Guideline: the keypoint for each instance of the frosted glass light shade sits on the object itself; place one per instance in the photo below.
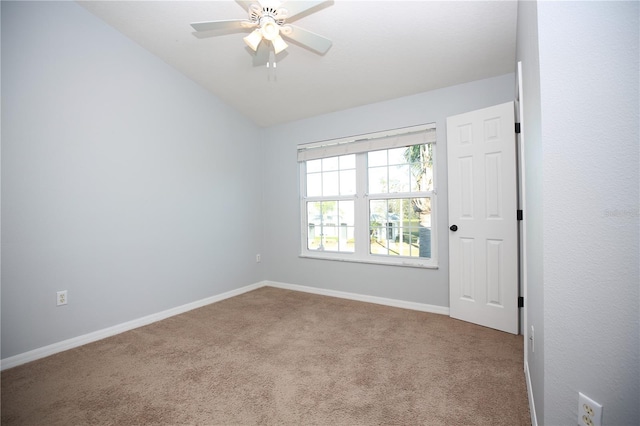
(270, 29)
(278, 44)
(253, 39)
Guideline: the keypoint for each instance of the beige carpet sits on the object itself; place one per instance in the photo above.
(274, 356)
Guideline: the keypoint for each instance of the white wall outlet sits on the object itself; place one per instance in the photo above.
(258, 258)
(589, 411)
(61, 298)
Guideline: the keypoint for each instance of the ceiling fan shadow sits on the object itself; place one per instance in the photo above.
(216, 33)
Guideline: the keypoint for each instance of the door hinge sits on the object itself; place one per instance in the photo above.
(520, 302)
(519, 214)
(517, 127)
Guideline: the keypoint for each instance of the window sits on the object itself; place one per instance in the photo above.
(370, 198)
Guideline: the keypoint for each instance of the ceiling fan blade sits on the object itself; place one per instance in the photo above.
(295, 8)
(246, 4)
(309, 39)
(231, 24)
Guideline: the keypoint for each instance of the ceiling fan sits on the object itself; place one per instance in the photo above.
(268, 19)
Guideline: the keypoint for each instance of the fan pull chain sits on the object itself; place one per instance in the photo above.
(271, 70)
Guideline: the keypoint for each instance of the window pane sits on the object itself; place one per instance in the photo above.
(384, 226)
(346, 231)
(416, 184)
(314, 185)
(348, 162)
(319, 215)
(377, 158)
(377, 212)
(314, 166)
(397, 156)
(378, 180)
(314, 212)
(422, 208)
(421, 159)
(399, 178)
(330, 163)
(330, 183)
(347, 182)
(346, 213)
(410, 210)
(314, 222)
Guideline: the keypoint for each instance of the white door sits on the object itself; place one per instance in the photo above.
(483, 248)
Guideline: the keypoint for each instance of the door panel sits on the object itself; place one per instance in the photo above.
(482, 204)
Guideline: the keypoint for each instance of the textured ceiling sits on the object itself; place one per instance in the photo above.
(381, 50)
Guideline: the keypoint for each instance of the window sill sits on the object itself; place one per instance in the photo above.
(406, 264)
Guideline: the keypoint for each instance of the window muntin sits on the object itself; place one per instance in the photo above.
(370, 205)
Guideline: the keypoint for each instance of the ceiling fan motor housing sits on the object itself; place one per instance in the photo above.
(258, 14)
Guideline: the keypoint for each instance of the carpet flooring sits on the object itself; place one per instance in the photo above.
(273, 356)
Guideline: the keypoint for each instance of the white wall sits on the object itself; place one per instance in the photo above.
(281, 208)
(586, 142)
(589, 79)
(123, 181)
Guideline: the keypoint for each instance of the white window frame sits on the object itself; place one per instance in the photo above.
(361, 145)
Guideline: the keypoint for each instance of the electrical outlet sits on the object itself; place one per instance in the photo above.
(589, 411)
(61, 298)
(258, 258)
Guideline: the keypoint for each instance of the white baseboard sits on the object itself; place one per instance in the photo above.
(74, 342)
(423, 307)
(532, 405)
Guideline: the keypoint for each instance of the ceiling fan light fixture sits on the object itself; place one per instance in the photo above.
(270, 30)
(278, 44)
(253, 39)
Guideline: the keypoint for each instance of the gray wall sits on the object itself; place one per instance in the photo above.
(282, 209)
(586, 205)
(123, 181)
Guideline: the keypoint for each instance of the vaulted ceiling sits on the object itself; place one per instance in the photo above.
(381, 50)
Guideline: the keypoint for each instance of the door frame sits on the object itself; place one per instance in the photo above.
(522, 228)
